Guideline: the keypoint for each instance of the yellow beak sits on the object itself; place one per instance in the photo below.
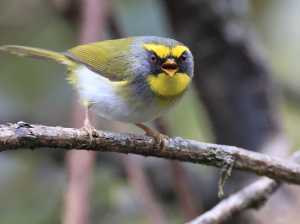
(170, 67)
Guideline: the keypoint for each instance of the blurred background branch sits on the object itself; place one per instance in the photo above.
(80, 164)
(254, 196)
(232, 78)
(96, 16)
(135, 172)
(185, 193)
(251, 196)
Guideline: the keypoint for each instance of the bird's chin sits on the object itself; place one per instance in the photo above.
(165, 85)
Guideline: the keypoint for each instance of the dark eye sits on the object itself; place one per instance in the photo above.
(183, 58)
(153, 58)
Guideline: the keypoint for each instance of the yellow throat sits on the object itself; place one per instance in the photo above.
(166, 85)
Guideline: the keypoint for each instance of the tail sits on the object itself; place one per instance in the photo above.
(39, 53)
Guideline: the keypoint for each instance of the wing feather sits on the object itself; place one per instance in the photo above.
(106, 58)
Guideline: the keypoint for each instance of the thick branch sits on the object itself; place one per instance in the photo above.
(23, 135)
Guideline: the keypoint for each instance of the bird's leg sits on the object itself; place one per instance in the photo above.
(89, 128)
(159, 137)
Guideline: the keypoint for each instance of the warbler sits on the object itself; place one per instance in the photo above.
(131, 80)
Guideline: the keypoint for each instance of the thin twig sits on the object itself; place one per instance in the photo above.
(24, 135)
(252, 196)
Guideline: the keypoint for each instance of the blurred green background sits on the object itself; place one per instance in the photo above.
(35, 91)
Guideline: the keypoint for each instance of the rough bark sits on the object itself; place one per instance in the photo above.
(23, 135)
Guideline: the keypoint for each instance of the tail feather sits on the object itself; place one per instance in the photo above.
(39, 53)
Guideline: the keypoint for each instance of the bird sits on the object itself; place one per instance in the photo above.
(131, 80)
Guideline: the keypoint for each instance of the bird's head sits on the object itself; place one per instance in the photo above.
(167, 64)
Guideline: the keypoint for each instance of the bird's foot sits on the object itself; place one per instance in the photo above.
(159, 137)
(90, 131)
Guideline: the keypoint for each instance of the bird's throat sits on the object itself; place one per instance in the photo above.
(166, 85)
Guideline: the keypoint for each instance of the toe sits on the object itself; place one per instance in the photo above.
(90, 134)
(97, 134)
(161, 139)
(90, 130)
(164, 145)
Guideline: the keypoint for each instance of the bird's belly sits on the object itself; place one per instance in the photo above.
(126, 113)
(109, 103)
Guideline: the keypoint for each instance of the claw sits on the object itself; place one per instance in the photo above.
(159, 137)
(90, 131)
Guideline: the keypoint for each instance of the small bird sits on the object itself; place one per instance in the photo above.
(131, 80)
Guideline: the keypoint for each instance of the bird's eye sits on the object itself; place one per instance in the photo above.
(183, 58)
(153, 58)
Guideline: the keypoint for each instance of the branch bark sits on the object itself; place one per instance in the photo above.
(23, 135)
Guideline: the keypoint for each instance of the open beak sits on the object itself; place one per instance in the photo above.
(170, 67)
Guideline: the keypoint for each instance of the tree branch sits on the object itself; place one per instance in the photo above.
(251, 196)
(24, 135)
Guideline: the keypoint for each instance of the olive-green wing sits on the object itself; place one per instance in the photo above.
(107, 58)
